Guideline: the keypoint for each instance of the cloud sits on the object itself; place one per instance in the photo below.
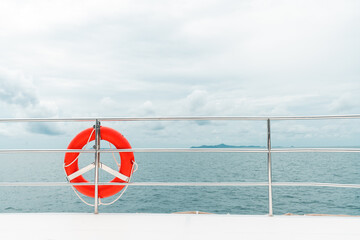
(202, 122)
(196, 102)
(14, 89)
(148, 109)
(157, 126)
(345, 103)
(197, 58)
(18, 99)
(44, 128)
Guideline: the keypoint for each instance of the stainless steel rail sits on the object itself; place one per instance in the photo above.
(269, 150)
(191, 150)
(97, 163)
(182, 118)
(182, 184)
(269, 168)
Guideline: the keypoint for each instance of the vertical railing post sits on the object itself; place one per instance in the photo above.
(269, 167)
(97, 162)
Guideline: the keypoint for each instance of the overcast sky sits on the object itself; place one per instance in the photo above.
(174, 58)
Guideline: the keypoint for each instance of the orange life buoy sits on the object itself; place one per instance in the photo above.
(127, 160)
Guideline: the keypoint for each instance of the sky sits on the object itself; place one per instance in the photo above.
(65, 58)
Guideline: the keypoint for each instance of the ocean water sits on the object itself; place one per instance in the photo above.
(188, 167)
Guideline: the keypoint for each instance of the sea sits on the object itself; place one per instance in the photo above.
(191, 167)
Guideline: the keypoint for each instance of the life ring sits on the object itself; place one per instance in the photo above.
(72, 168)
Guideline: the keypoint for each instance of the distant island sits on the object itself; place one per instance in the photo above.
(222, 145)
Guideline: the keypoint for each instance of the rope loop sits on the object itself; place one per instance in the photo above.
(79, 153)
(132, 171)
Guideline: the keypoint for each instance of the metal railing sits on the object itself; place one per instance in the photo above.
(97, 151)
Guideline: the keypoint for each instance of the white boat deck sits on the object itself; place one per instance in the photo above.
(174, 226)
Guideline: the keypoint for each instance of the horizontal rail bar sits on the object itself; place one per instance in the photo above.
(143, 150)
(354, 116)
(220, 150)
(59, 184)
(46, 150)
(184, 184)
(315, 184)
(179, 118)
(289, 150)
(252, 150)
